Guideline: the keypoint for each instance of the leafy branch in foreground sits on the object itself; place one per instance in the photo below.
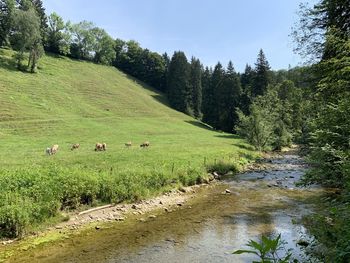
(267, 249)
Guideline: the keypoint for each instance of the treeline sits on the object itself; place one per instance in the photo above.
(25, 27)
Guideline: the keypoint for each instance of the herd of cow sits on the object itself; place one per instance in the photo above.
(98, 147)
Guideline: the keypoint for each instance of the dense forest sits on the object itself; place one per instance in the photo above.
(307, 105)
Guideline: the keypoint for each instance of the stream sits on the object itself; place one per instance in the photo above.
(208, 228)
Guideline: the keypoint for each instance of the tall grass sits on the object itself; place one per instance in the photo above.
(30, 196)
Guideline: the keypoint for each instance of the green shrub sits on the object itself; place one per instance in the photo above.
(77, 187)
(222, 167)
(15, 215)
(191, 176)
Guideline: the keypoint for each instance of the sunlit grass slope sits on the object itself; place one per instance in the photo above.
(79, 102)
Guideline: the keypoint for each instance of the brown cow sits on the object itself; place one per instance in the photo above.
(75, 146)
(100, 147)
(54, 149)
(144, 144)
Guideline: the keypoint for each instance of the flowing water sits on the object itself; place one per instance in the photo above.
(207, 229)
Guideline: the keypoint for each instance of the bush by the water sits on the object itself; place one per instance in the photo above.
(29, 197)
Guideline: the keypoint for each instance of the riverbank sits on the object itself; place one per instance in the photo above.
(203, 226)
(242, 192)
(102, 217)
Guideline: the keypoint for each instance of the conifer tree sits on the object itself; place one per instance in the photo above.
(166, 60)
(196, 86)
(178, 82)
(261, 79)
(216, 86)
(208, 95)
(230, 99)
(247, 79)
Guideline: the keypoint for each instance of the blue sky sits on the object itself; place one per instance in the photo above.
(216, 30)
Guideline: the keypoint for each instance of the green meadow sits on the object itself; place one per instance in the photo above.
(71, 101)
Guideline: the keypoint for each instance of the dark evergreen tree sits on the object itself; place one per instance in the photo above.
(229, 100)
(166, 60)
(208, 95)
(261, 78)
(216, 86)
(178, 82)
(196, 87)
(247, 79)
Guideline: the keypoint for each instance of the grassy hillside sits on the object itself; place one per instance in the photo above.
(70, 101)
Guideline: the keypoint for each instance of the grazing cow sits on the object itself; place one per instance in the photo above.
(128, 144)
(100, 147)
(54, 149)
(144, 144)
(75, 146)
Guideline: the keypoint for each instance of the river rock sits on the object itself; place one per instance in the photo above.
(120, 218)
(97, 227)
(183, 189)
(151, 216)
(228, 191)
(303, 243)
(216, 175)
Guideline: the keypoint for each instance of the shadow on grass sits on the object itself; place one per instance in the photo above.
(201, 125)
(228, 136)
(53, 55)
(159, 96)
(162, 99)
(7, 63)
(245, 146)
